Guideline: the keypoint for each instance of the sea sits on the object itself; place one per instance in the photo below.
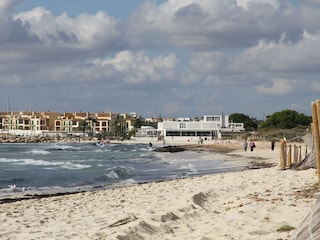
(49, 168)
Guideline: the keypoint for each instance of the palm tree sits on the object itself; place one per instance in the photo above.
(87, 124)
(118, 127)
(91, 123)
(83, 125)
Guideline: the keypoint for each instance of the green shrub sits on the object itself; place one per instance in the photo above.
(285, 228)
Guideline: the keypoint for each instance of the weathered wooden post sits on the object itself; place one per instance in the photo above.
(289, 157)
(285, 155)
(300, 154)
(306, 152)
(282, 156)
(295, 154)
(315, 129)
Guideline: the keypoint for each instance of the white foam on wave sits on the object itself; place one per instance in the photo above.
(129, 181)
(190, 167)
(99, 150)
(39, 151)
(146, 149)
(4, 160)
(119, 172)
(74, 166)
(12, 189)
(34, 162)
(26, 161)
(163, 156)
(112, 175)
(64, 147)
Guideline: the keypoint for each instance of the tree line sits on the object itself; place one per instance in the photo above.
(285, 119)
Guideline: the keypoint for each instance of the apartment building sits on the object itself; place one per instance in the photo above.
(68, 122)
(71, 121)
(103, 121)
(24, 120)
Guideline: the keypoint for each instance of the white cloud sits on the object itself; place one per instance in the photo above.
(282, 56)
(246, 3)
(85, 29)
(11, 31)
(138, 67)
(278, 87)
(214, 24)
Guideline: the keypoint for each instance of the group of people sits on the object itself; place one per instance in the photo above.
(252, 145)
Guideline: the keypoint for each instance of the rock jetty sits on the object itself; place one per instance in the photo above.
(9, 138)
(170, 149)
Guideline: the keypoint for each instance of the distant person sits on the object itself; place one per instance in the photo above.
(245, 145)
(150, 144)
(252, 145)
(272, 144)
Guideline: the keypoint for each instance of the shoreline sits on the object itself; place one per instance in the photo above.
(226, 151)
(248, 204)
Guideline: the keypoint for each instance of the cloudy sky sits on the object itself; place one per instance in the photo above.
(175, 58)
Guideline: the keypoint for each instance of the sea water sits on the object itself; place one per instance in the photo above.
(65, 167)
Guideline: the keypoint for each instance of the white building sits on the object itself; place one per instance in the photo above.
(146, 131)
(211, 127)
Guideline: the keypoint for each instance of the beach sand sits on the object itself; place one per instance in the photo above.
(250, 204)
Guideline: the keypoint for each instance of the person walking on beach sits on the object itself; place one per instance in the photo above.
(252, 145)
(245, 145)
(272, 144)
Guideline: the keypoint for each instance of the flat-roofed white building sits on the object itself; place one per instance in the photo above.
(146, 131)
(211, 127)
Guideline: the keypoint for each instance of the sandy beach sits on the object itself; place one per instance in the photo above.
(250, 204)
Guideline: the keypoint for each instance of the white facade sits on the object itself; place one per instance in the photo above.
(146, 131)
(207, 129)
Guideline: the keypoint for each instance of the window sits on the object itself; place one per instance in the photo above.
(213, 119)
(189, 133)
(203, 134)
(182, 125)
(172, 133)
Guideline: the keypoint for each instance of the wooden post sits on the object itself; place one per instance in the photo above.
(285, 155)
(289, 157)
(295, 154)
(300, 155)
(306, 152)
(315, 130)
(282, 157)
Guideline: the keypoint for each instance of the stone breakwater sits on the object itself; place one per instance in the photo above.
(8, 138)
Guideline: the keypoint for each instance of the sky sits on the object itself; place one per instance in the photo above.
(174, 58)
